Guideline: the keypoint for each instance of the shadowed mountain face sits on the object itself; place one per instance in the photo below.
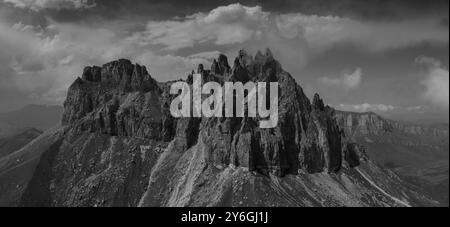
(120, 146)
(418, 153)
(31, 116)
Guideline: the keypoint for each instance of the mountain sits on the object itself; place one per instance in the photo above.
(119, 145)
(13, 143)
(12, 180)
(17, 168)
(32, 116)
(7, 129)
(418, 153)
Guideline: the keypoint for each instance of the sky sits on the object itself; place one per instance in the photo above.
(389, 57)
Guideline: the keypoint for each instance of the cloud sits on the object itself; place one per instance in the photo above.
(436, 82)
(43, 62)
(209, 55)
(366, 107)
(171, 67)
(427, 61)
(235, 24)
(37, 5)
(323, 32)
(415, 108)
(222, 26)
(346, 81)
(229, 28)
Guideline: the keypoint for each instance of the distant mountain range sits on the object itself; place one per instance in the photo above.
(39, 117)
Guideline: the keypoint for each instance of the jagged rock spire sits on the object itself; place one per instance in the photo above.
(200, 69)
(220, 66)
(259, 57)
(318, 103)
(268, 53)
(244, 59)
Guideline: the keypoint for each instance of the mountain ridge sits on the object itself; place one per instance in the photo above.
(436, 129)
(119, 146)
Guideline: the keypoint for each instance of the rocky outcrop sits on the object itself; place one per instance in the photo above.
(122, 99)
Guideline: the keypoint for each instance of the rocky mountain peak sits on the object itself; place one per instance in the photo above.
(200, 68)
(259, 55)
(99, 86)
(220, 66)
(121, 99)
(93, 74)
(243, 59)
(128, 76)
(267, 56)
(120, 146)
(318, 103)
(261, 67)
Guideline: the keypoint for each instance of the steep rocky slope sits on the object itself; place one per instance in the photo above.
(120, 146)
(418, 153)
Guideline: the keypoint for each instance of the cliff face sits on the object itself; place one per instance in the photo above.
(373, 124)
(370, 128)
(417, 153)
(120, 146)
